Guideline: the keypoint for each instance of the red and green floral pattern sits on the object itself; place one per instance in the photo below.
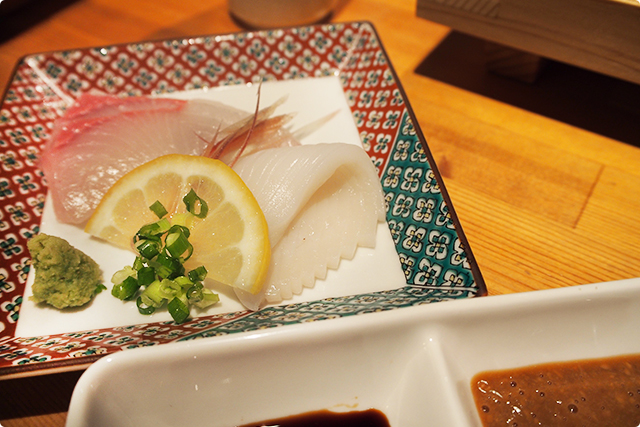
(436, 260)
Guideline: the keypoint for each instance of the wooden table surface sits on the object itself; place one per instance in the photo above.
(544, 204)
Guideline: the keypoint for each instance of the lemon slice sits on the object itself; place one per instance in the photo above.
(232, 241)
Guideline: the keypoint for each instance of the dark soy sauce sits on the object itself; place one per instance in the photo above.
(325, 418)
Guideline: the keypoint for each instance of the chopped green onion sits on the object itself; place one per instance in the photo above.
(158, 209)
(198, 274)
(177, 243)
(143, 308)
(194, 293)
(153, 294)
(191, 200)
(183, 281)
(146, 275)
(154, 230)
(157, 275)
(148, 248)
(119, 276)
(208, 298)
(138, 264)
(178, 310)
(180, 228)
(161, 270)
(185, 219)
(170, 288)
(126, 289)
(144, 299)
(167, 267)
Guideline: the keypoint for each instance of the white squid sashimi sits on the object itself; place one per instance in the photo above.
(321, 202)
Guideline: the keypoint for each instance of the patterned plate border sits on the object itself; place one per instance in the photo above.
(432, 248)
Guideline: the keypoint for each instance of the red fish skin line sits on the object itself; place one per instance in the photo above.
(81, 117)
(88, 105)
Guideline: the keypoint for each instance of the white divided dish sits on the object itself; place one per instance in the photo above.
(413, 364)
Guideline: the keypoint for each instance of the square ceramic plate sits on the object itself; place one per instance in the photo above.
(415, 365)
(342, 67)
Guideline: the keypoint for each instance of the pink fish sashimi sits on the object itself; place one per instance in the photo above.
(90, 106)
(321, 202)
(103, 137)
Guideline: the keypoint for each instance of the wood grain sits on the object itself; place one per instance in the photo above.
(594, 34)
(543, 204)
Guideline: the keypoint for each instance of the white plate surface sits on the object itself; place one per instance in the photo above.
(369, 271)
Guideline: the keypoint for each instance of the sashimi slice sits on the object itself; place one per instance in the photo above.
(321, 202)
(90, 106)
(103, 137)
(257, 132)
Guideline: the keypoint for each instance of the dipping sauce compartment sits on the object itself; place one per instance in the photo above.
(415, 365)
(592, 392)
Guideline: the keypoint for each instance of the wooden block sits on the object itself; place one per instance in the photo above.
(513, 63)
(599, 35)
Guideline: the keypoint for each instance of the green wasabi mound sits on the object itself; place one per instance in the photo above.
(65, 276)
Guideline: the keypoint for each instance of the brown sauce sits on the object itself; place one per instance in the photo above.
(595, 392)
(325, 418)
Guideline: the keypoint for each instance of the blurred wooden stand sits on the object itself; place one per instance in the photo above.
(598, 35)
(512, 63)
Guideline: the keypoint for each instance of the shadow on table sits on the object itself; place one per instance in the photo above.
(585, 99)
(17, 16)
(37, 395)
